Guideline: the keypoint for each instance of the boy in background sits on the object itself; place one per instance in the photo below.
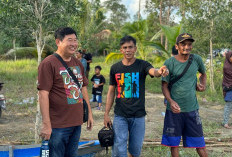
(98, 81)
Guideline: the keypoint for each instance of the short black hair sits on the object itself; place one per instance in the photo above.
(60, 33)
(98, 67)
(126, 39)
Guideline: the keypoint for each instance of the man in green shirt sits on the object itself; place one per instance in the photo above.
(182, 118)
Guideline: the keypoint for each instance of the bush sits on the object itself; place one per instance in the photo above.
(27, 52)
(21, 52)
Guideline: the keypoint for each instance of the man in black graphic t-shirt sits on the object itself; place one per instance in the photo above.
(127, 84)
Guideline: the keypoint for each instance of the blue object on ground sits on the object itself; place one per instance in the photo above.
(34, 152)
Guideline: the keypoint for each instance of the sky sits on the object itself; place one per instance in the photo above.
(133, 7)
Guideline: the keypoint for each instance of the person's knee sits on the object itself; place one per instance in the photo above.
(135, 147)
(119, 150)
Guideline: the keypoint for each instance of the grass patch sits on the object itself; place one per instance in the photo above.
(19, 78)
(210, 128)
(153, 85)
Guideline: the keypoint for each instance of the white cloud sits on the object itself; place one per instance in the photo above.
(134, 6)
(102, 1)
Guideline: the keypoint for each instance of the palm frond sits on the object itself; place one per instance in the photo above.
(156, 36)
(159, 47)
(113, 56)
(171, 32)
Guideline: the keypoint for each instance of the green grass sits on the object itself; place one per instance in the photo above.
(210, 128)
(19, 78)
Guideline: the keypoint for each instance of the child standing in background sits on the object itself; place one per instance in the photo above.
(98, 81)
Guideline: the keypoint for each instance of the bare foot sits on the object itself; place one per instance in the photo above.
(227, 126)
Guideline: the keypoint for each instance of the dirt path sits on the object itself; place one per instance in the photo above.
(17, 124)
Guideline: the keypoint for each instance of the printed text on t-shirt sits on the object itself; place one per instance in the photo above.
(127, 85)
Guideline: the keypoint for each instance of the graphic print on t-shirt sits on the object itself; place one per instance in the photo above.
(127, 85)
(96, 80)
(72, 90)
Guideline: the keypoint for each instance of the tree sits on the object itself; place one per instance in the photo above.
(139, 31)
(204, 18)
(40, 17)
(11, 23)
(164, 10)
(171, 34)
(118, 13)
(90, 21)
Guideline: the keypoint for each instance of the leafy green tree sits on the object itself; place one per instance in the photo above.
(118, 13)
(139, 31)
(41, 18)
(89, 21)
(12, 26)
(162, 11)
(206, 22)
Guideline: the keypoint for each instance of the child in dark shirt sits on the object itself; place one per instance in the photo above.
(98, 81)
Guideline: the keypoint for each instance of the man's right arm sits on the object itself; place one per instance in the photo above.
(174, 106)
(46, 129)
(109, 103)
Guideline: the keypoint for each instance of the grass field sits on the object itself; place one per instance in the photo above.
(20, 83)
(20, 79)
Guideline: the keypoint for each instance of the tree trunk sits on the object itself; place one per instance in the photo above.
(139, 10)
(15, 55)
(211, 59)
(38, 114)
(160, 18)
(183, 11)
(40, 43)
(38, 121)
(168, 16)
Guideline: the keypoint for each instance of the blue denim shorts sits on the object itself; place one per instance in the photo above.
(97, 98)
(134, 128)
(186, 125)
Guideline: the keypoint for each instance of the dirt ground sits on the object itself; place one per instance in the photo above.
(17, 124)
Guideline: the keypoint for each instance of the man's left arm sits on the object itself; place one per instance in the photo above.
(90, 116)
(163, 71)
(202, 85)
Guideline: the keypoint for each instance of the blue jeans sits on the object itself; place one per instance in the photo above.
(64, 142)
(135, 128)
(97, 98)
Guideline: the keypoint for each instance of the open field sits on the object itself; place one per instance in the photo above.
(17, 123)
